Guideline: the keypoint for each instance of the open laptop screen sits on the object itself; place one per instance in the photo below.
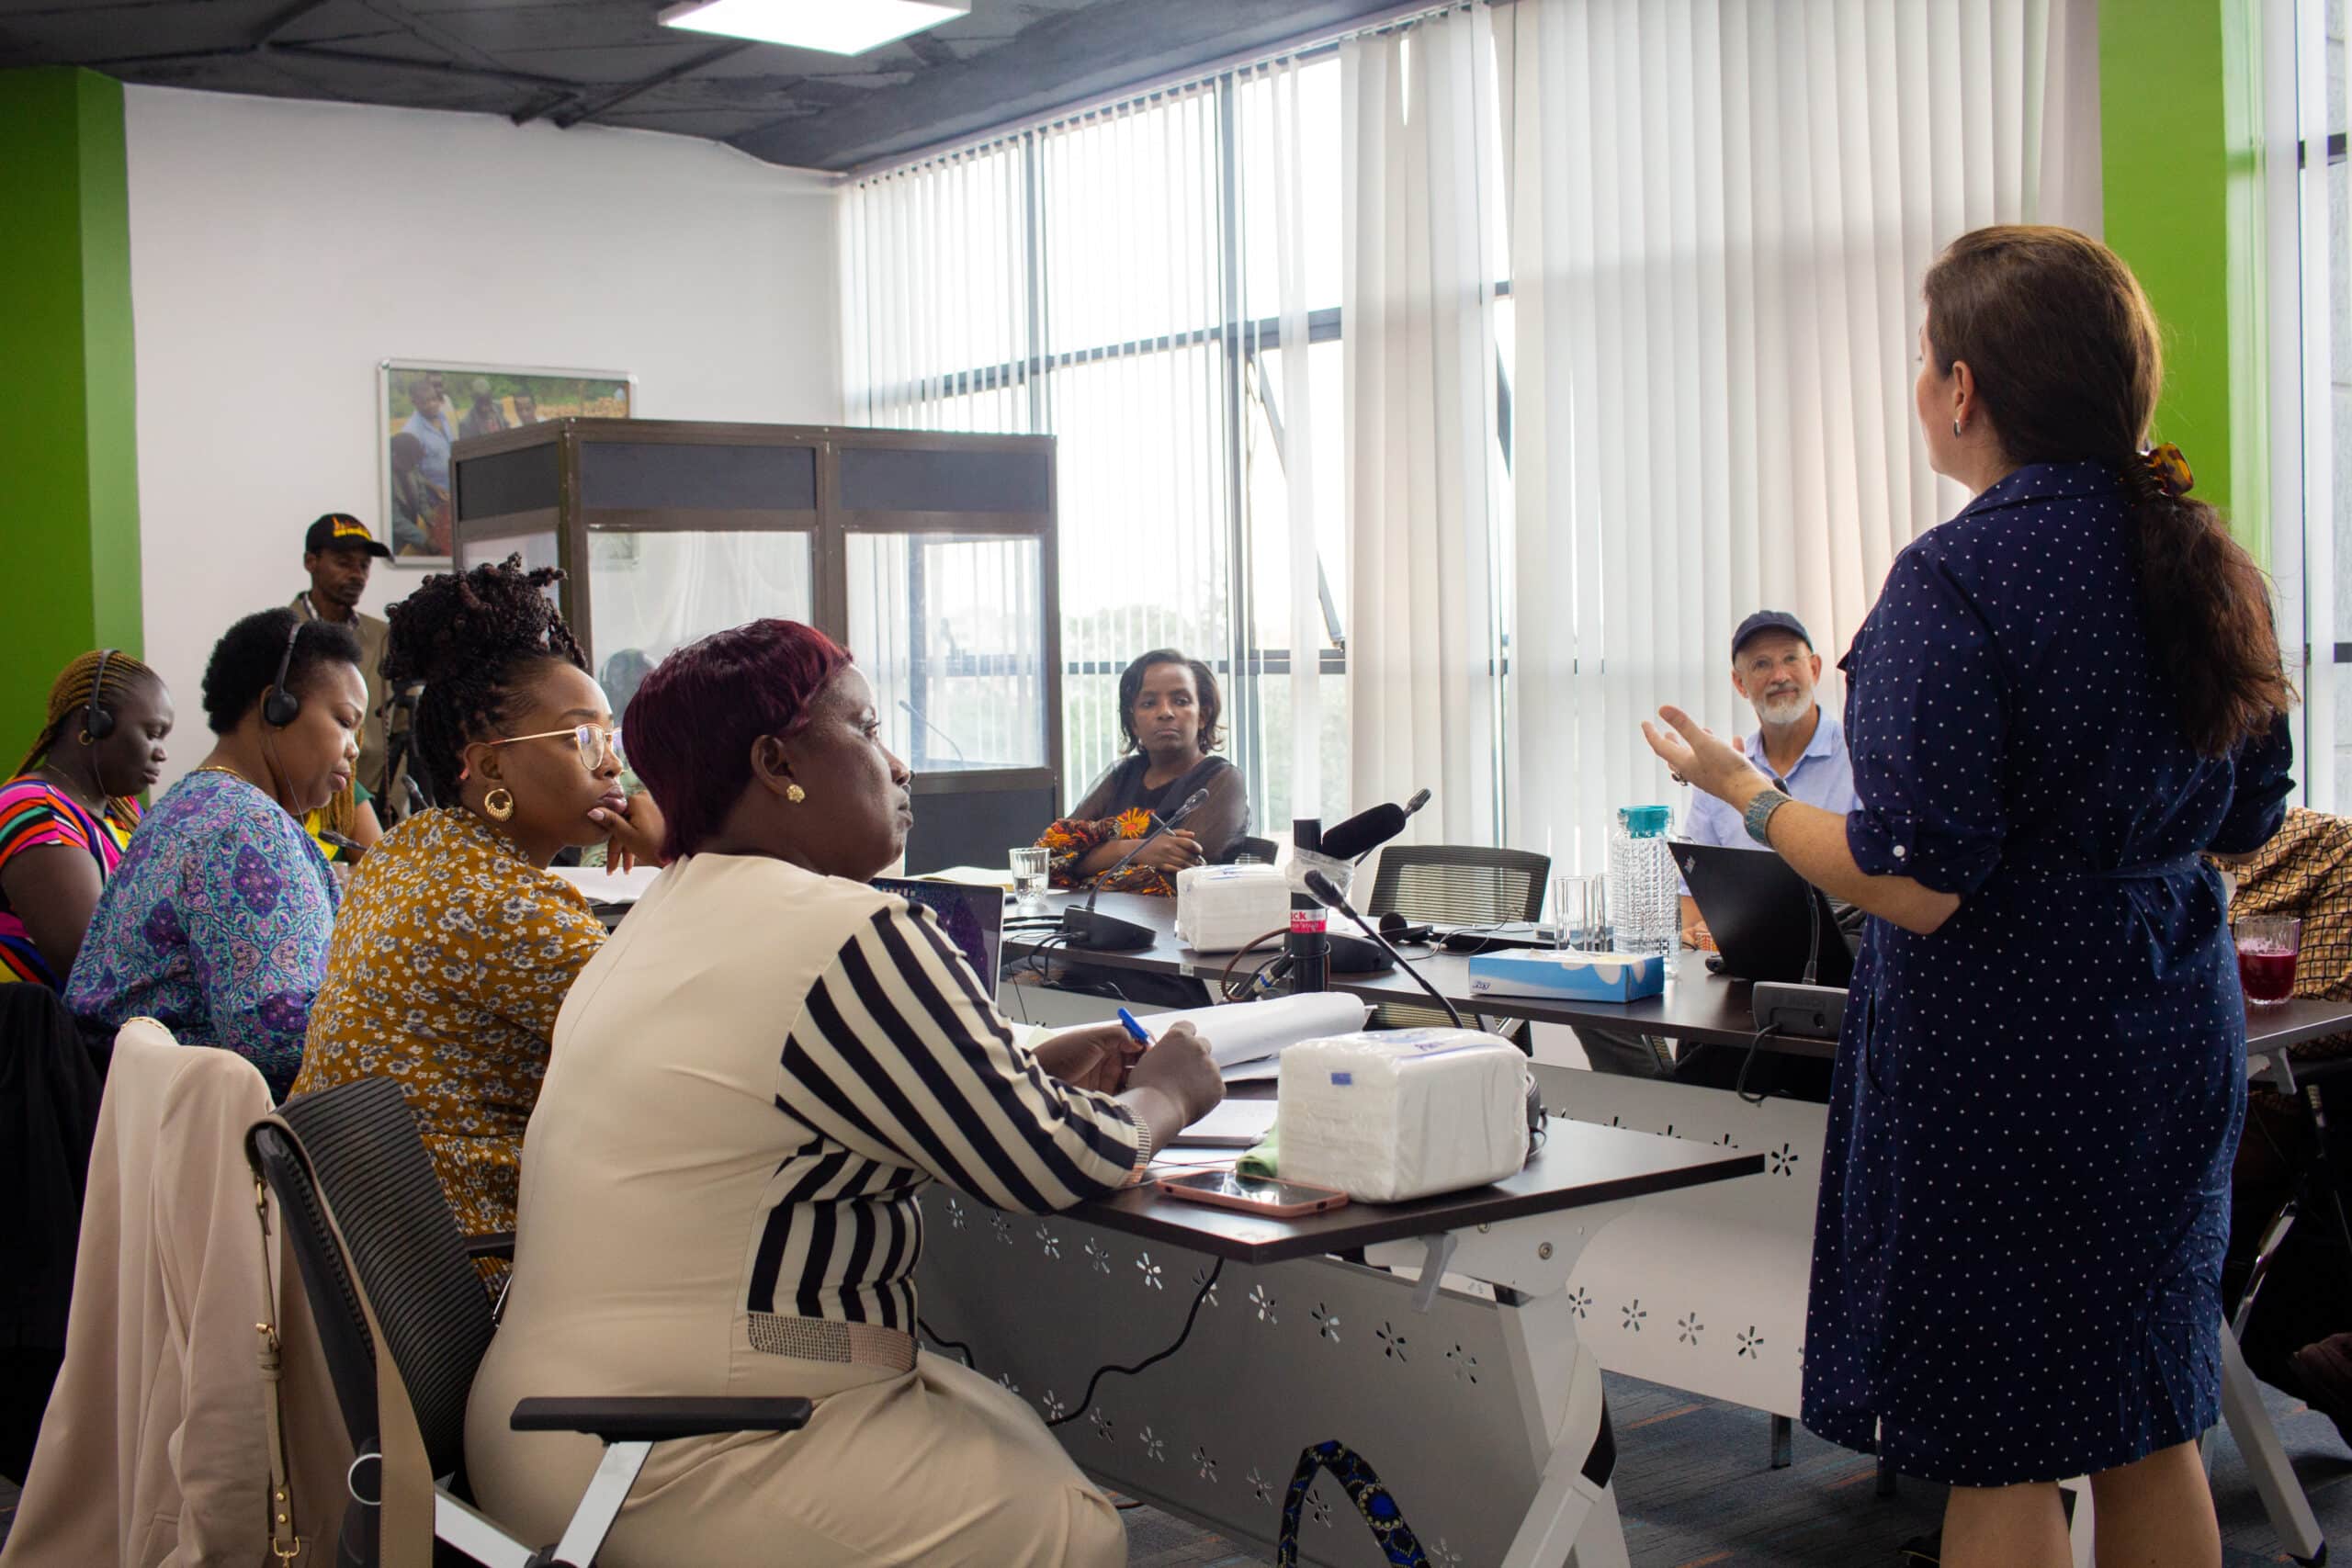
(973, 918)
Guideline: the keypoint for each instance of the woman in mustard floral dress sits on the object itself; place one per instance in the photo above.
(456, 945)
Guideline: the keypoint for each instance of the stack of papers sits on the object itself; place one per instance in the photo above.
(602, 888)
(1247, 1039)
(971, 876)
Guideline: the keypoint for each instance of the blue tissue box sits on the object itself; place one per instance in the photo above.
(1567, 976)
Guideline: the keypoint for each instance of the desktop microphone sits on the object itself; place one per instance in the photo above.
(933, 728)
(1089, 932)
(1363, 832)
(1308, 947)
(1327, 893)
(1420, 798)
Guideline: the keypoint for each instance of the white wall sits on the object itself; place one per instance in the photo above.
(279, 249)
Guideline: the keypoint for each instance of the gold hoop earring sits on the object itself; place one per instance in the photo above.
(499, 803)
(793, 792)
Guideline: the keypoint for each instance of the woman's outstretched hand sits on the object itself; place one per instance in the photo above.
(1696, 758)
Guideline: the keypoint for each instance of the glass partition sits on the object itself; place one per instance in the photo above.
(653, 592)
(950, 630)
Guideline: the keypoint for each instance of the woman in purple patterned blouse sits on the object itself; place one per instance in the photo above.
(216, 922)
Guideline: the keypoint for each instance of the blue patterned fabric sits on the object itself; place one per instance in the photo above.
(215, 924)
(1396, 1539)
(2017, 1257)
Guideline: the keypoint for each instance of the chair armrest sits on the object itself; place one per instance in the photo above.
(658, 1420)
(492, 1244)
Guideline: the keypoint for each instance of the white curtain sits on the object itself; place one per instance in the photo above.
(1721, 211)
(1420, 192)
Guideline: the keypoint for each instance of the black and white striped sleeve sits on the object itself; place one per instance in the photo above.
(899, 1055)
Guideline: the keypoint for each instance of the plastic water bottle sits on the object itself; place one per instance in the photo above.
(1642, 902)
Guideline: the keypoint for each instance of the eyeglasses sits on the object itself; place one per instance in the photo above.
(593, 740)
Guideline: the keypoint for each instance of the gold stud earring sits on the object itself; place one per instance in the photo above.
(793, 792)
(499, 803)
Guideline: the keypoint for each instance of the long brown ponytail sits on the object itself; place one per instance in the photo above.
(2068, 361)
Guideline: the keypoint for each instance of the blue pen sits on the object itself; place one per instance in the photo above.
(1135, 1030)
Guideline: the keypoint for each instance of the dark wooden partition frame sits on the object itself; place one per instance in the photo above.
(567, 479)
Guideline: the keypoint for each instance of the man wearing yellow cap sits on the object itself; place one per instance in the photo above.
(337, 552)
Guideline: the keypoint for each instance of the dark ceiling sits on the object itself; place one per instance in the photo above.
(610, 62)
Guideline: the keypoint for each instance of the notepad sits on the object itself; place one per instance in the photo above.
(1235, 1124)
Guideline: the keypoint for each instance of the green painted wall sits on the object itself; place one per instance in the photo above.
(68, 473)
(2180, 97)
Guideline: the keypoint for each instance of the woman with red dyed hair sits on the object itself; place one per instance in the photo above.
(748, 1086)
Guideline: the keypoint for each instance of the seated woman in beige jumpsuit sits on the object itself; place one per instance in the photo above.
(747, 1088)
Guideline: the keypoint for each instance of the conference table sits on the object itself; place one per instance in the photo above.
(1706, 1291)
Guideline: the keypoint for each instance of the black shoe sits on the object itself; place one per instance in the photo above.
(1922, 1550)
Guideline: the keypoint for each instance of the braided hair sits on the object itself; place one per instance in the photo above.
(70, 697)
(471, 636)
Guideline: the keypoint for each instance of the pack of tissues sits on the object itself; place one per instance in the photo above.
(1397, 1113)
(1221, 908)
(1567, 976)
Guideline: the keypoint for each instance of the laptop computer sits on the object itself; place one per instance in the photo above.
(1755, 908)
(973, 918)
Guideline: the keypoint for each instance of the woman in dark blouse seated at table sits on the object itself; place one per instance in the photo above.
(1168, 708)
(748, 1087)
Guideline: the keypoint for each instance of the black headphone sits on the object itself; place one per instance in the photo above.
(97, 722)
(281, 707)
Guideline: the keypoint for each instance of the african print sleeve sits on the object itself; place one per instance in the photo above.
(257, 911)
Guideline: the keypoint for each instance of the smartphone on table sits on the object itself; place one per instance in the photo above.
(1252, 1194)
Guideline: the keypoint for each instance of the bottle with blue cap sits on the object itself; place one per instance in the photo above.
(1643, 888)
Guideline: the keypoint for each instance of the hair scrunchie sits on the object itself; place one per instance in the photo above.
(2160, 472)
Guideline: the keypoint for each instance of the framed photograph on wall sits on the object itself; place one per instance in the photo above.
(423, 407)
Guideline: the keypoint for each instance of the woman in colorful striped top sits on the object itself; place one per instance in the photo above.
(67, 813)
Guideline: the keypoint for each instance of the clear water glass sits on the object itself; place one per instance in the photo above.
(1031, 867)
(1580, 912)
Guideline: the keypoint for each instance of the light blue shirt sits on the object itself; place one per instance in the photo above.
(437, 437)
(1824, 776)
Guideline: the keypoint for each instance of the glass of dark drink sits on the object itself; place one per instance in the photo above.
(2267, 948)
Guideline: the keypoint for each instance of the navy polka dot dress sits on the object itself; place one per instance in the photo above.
(2017, 1258)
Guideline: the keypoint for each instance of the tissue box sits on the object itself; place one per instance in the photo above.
(1567, 976)
(1398, 1113)
(1220, 909)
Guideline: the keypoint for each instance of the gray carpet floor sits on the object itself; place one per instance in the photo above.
(1696, 1492)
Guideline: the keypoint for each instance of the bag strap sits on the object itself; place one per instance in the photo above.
(285, 1535)
(1395, 1538)
(405, 1499)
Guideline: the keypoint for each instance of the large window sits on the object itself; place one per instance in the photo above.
(1124, 280)
(2310, 191)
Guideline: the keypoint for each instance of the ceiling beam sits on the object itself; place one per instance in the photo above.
(1063, 60)
(590, 109)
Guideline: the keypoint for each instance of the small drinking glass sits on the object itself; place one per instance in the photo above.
(2267, 948)
(1030, 868)
(1580, 912)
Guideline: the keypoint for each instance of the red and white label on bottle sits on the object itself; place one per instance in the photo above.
(1307, 922)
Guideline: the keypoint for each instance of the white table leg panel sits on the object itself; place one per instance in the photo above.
(1480, 1416)
(1707, 1292)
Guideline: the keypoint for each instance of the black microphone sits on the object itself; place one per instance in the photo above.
(1307, 946)
(1327, 892)
(933, 728)
(1363, 832)
(1091, 932)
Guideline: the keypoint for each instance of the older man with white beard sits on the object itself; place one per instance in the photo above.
(1775, 667)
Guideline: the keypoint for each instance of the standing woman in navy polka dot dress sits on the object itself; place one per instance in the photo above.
(2066, 695)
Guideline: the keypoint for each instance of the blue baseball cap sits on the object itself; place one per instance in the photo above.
(1769, 621)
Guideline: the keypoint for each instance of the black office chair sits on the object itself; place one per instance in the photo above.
(1453, 884)
(359, 1158)
(1459, 885)
(1261, 849)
